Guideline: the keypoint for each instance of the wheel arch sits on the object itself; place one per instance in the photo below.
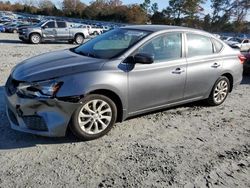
(114, 97)
(35, 33)
(79, 33)
(231, 80)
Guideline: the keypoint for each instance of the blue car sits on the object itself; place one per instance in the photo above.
(2, 28)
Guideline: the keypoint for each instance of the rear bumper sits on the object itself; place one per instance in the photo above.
(45, 117)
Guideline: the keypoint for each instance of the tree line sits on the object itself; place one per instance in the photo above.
(225, 15)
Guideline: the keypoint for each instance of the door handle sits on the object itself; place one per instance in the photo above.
(178, 71)
(216, 65)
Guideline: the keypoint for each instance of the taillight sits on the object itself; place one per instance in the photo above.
(242, 58)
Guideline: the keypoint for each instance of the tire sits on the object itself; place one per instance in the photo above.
(79, 39)
(87, 125)
(14, 31)
(219, 92)
(35, 38)
(96, 33)
(70, 41)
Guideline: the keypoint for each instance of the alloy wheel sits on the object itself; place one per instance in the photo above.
(35, 39)
(221, 91)
(95, 116)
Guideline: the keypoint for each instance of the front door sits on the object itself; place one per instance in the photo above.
(160, 83)
(49, 30)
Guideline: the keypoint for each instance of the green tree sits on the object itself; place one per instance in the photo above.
(154, 8)
(73, 7)
(207, 23)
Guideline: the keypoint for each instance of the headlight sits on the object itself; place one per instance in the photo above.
(46, 89)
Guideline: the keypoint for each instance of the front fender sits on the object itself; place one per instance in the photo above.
(87, 82)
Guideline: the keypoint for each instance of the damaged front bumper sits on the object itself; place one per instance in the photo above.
(45, 117)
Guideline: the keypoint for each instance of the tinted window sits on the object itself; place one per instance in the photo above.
(217, 45)
(165, 47)
(50, 25)
(61, 24)
(199, 45)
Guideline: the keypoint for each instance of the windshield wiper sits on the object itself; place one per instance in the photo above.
(84, 53)
(87, 54)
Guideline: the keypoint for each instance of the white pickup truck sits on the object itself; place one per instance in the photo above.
(92, 30)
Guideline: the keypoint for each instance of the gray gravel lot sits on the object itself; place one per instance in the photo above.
(188, 146)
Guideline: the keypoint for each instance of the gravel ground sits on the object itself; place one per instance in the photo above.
(188, 146)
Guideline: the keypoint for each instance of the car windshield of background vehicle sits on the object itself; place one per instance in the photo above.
(111, 44)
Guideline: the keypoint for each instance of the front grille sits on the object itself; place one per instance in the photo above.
(35, 123)
(11, 85)
(12, 117)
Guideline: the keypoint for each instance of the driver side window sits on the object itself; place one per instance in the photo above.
(50, 25)
(164, 48)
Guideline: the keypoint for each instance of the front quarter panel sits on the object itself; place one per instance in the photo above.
(112, 77)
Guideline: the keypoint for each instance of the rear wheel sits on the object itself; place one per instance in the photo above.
(220, 91)
(79, 39)
(35, 38)
(94, 118)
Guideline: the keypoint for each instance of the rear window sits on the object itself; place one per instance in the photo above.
(199, 45)
(61, 24)
(217, 45)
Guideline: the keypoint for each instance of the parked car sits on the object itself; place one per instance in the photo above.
(105, 28)
(247, 62)
(242, 45)
(14, 28)
(92, 30)
(119, 74)
(53, 31)
(5, 19)
(2, 28)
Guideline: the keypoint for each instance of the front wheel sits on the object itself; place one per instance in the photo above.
(79, 39)
(94, 118)
(219, 92)
(35, 38)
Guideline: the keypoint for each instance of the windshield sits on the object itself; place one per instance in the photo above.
(111, 44)
(40, 23)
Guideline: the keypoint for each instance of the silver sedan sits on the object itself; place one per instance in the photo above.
(120, 74)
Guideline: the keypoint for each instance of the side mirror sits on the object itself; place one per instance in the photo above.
(44, 27)
(144, 58)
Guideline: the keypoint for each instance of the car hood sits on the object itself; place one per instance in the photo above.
(54, 64)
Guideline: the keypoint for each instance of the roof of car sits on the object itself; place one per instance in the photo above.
(155, 28)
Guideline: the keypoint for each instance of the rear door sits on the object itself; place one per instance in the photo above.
(160, 83)
(204, 65)
(62, 31)
(49, 30)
